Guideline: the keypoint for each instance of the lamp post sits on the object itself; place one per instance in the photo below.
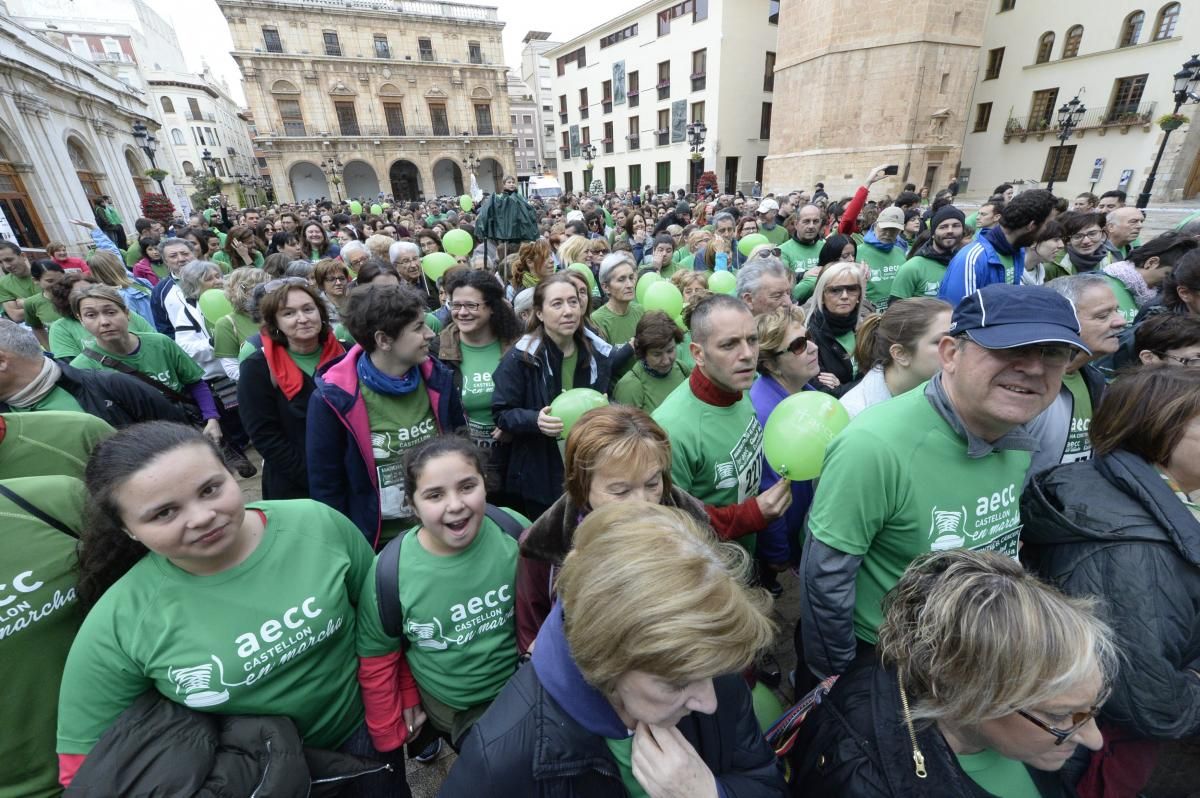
(332, 167)
(148, 145)
(1068, 119)
(1187, 84)
(471, 162)
(207, 159)
(696, 132)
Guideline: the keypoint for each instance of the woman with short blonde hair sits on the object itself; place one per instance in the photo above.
(572, 250)
(638, 661)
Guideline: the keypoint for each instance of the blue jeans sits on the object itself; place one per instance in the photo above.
(384, 784)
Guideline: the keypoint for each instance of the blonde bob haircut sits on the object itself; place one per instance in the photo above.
(975, 637)
(772, 332)
(646, 589)
(573, 249)
(831, 272)
(615, 434)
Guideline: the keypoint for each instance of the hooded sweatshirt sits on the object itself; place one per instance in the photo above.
(884, 260)
(921, 274)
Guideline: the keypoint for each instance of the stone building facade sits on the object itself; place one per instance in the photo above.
(358, 98)
(889, 85)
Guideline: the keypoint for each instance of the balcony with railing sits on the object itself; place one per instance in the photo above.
(203, 116)
(565, 152)
(635, 141)
(297, 129)
(664, 137)
(664, 90)
(1101, 120)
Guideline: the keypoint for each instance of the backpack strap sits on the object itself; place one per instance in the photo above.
(387, 572)
(116, 365)
(36, 512)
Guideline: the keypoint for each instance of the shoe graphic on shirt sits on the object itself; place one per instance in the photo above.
(424, 633)
(950, 527)
(195, 685)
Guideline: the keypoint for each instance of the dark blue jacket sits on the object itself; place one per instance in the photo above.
(782, 540)
(161, 322)
(341, 465)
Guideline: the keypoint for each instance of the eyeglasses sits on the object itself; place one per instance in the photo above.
(769, 252)
(469, 307)
(798, 346)
(1183, 361)
(1049, 354)
(1092, 235)
(556, 216)
(848, 290)
(1078, 720)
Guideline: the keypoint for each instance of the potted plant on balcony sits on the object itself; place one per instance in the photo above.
(1170, 122)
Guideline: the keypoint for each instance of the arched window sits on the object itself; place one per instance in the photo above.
(1045, 47)
(1168, 18)
(176, 136)
(1071, 45)
(188, 169)
(167, 106)
(1131, 31)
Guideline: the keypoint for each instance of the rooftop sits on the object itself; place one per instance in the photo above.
(422, 8)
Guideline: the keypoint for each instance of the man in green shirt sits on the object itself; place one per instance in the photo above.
(16, 283)
(877, 507)
(883, 251)
(921, 274)
(801, 252)
(768, 216)
(53, 442)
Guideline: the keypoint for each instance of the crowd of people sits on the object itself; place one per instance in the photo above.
(998, 567)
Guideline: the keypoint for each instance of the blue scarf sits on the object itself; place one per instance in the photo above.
(995, 236)
(873, 240)
(386, 384)
(662, 375)
(560, 677)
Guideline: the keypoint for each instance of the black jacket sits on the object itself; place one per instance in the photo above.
(277, 428)
(528, 746)
(855, 744)
(117, 398)
(831, 355)
(528, 379)
(158, 747)
(1111, 527)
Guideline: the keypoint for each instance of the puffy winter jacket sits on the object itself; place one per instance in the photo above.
(158, 747)
(1112, 528)
(117, 398)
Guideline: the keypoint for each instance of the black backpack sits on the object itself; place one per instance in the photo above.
(387, 572)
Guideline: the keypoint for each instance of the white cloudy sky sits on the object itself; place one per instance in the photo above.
(204, 35)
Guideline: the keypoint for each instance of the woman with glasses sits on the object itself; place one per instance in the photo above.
(787, 364)
(1083, 233)
(276, 381)
(986, 682)
(332, 278)
(1122, 526)
(834, 314)
(1170, 338)
(406, 256)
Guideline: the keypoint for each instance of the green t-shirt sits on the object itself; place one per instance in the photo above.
(884, 267)
(876, 498)
(431, 321)
(644, 390)
(273, 635)
(230, 332)
(683, 352)
(618, 330)
(40, 312)
(1079, 444)
(804, 289)
(777, 235)
(1125, 300)
(622, 752)
(68, 336)
(569, 364)
(847, 340)
(478, 365)
(801, 257)
(49, 443)
(40, 621)
(918, 277)
(398, 423)
(157, 356)
(57, 399)
(1009, 267)
(14, 287)
(221, 259)
(998, 775)
(716, 452)
(458, 616)
(306, 361)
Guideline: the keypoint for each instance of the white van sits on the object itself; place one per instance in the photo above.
(544, 188)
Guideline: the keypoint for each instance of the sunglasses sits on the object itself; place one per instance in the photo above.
(848, 290)
(798, 346)
(770, 252)
(1078, 721)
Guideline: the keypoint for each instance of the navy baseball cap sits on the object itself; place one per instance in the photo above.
(1003, 316)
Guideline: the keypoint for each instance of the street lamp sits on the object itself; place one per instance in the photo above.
(471, 162)
(1068, 119)
(588, 151)
(696, 132)
(1187, 84)
(332, 167)
(207, 159)
(149, 145)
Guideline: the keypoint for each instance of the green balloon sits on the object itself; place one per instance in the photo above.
(644, 282)
(570, 405)
(747, 244)
(214, 305)
(457, 242)
(435, 264)
(798, 432)
(466, 203)
(586, 271)
(355, 206)
(664, 296)
(376, 209)
(722, 283)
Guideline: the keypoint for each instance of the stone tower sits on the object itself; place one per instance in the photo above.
(861, 85)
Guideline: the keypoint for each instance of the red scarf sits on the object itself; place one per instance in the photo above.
(709, 392)
(285, 372)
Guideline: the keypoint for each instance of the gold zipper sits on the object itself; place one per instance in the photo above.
(918, 757)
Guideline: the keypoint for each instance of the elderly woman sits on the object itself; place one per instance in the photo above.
(1123, 526)
(405, 256)
(834, 313)
(614, 454)
(355, 255)
(191, 331)
(986, 682)
(633, 691)
(233, 330)
(658, 369)
(617, 319)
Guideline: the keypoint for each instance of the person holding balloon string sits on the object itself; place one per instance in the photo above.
(554, 356)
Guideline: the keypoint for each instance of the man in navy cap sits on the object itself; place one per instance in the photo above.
(939, 467)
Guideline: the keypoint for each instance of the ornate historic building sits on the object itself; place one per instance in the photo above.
(357, 98)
